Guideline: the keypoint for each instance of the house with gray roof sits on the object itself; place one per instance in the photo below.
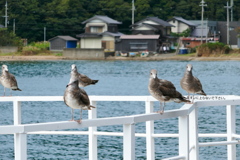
(58, 43)
(100, 32)
(152, 25)
(147, 27)
(181, 24)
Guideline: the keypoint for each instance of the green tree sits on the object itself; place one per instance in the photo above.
(9, 38)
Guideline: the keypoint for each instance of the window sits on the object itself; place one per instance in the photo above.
(95, 29)
(139, 45)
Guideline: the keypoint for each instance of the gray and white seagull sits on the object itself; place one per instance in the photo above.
(82, 79)
(8, 80)
(76, 98)
(163, 90)
(190, 83)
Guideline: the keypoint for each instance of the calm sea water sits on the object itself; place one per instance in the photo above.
(49, 78)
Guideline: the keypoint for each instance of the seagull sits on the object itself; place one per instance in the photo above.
(76, 98)
(8, 80)
(82, 79)
(163, 90)
(190, 83)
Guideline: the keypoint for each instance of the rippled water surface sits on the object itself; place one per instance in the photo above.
(49, 78)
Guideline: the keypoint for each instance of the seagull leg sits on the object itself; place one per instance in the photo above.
(161, 112)
(80, 120)
(4, 91)
(161, 108)
(72, 111)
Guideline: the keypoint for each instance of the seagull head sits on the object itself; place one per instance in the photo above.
(74, 84)
(153, 73)
(74, 67)
(4, 68)
(189, 67)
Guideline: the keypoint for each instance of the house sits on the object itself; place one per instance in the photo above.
(136, 43)
(204, 32)
(148, 34)
(58, 43)
(205, 28)
(233, 35)
(1, 26)
(152, 26)
(181, 24)
(100, 32)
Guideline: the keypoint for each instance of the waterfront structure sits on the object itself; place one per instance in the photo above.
(136, 43)
(58, 43)
(188, 135)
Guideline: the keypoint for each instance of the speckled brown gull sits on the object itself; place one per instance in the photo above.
(76, 98)
(190, 83)
(8, 80)
(163, 90)
(83, 79)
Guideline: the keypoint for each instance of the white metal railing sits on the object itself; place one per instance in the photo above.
(187, 121)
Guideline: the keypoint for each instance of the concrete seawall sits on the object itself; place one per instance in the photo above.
(8, 49)
(83, 53)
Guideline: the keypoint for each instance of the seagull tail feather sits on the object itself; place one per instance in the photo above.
(94, 81)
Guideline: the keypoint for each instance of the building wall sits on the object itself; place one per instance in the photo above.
(8, 49)
(109, 43)
(222, 28)
(96, 23)
(179, 26)
(57, 44)
(91, 43)
(125, 45)
(86, 53)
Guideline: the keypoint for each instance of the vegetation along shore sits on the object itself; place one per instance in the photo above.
(211, 52)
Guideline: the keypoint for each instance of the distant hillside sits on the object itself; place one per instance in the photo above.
(64, 17)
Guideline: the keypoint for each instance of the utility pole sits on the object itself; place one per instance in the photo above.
(6, 16)
(231, 10)
(202, 5)
(227, 7)
(207, 30)
(14, 26)
(133, 9)
(44, 37)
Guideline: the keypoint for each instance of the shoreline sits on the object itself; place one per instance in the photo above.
(151, 58)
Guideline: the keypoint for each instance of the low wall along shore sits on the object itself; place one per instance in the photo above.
(8, 49)
(83, 53)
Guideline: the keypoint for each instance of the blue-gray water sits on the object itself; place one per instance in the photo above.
(49, 78)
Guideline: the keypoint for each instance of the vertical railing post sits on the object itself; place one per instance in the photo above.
(183, 127)
(129, 141)
(231, 129)
(150, 145)
(92, 138)
(20, 139)
(193, 134)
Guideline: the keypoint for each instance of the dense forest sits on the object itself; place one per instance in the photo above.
(65, 17)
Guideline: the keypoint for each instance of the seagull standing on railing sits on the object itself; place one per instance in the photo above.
(190, 83)
(83, 79)
(76, 98)
(8, 80)
(163, 90)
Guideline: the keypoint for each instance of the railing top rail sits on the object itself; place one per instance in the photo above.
(25, 128)
(113, 98)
